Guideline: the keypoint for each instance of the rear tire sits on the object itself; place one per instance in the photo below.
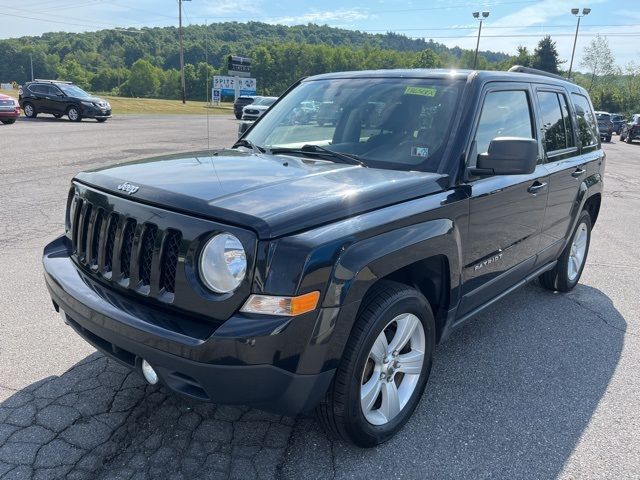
(390, 312)
(101, 120)
(57, 115)
(567, 272)
(9, 122)
(29, 110)
(628, 139)
(608, 139)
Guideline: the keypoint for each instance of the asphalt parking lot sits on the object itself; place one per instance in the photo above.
(539, 386)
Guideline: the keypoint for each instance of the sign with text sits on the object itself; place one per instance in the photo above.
(239, 66)
(230, 87)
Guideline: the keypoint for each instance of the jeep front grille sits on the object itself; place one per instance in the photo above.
(101, 241)
(133, 248)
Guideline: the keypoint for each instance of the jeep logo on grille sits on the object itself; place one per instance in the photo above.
(129, 188)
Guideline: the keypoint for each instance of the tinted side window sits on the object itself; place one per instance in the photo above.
(587, 126)
(566, 117)
(37, 88)
(504, 114)
(555, 137)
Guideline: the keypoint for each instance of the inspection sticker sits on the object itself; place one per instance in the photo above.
(420, 152)
(424, 91)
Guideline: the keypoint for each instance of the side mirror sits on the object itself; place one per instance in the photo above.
(508, 156)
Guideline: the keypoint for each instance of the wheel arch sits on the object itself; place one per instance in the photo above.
(425, 256)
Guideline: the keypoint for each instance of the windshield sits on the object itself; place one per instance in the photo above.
(603, 116)
(73, 91)
(394, 123)
(265, 101)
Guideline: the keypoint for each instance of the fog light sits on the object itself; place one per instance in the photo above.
(149, 373)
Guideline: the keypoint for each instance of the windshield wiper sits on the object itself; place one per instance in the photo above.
(310, 149)
(243, 142)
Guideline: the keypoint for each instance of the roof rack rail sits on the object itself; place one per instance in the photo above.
(44, 80)
(535, 71)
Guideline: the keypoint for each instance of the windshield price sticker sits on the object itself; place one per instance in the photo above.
(424, 91)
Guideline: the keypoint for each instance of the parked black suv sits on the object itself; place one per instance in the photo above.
(605, 125)
(242, 102)
(631, 131)
(61, 98)
(316, 267)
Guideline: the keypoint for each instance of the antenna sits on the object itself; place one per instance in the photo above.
(209, 103)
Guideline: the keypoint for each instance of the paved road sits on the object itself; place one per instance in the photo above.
(539, 386)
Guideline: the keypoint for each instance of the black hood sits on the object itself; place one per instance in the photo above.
(271, 194)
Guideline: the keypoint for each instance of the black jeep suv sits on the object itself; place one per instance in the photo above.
(61, 98)
(316, 267)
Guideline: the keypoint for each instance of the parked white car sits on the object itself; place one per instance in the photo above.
(255, 110)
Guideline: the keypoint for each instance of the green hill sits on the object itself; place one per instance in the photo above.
(144, 62)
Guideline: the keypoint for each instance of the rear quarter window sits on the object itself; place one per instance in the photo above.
(587, 125)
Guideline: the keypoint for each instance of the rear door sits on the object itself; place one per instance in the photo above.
(38, 97)
(570, 143)
(506, 211)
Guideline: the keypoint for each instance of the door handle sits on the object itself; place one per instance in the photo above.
(536, 188)
(579, 172)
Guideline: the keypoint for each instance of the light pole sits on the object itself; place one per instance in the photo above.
(576, 12)
(182, 83)
(31, 58)
(476, 15)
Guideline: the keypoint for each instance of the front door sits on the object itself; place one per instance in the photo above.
(506, 211)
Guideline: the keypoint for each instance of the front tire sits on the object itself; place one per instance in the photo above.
(9, 122)
(74, 114)
(567, 272)
(101, 120)
(628, 138)
(29, 110)
(384, 368)
(608, 139)
(57, 115)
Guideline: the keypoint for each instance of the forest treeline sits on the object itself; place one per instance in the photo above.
(145, 62)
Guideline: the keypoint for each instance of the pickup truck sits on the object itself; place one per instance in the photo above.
(315, 267)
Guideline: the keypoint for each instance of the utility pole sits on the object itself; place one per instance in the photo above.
(182, 83)
(576, 12)
(477, 16)
(31, 58)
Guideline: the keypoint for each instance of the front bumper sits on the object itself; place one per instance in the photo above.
(227, 367)
(92, 112)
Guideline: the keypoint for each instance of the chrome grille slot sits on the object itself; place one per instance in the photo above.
(110, 242)
(171, 250)
(127, 248)
(146, 253)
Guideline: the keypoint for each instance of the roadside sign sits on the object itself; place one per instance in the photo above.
(215, 95)
(239, 66)
(229, 86)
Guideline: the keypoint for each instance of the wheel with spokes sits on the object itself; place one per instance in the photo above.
(566, 274)
(384, 368)
(74, 114)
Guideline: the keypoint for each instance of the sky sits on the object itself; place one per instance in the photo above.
(510, 23)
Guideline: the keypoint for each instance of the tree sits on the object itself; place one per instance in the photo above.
(428, 59)
(144, 79)
(72, 71)
(524, 57)
(598, 59)
(545, 56)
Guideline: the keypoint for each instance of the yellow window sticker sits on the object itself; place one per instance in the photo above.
(424, 91)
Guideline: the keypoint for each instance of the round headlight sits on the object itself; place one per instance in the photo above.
(223, 263)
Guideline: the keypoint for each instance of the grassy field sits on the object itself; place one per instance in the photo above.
(142, 106)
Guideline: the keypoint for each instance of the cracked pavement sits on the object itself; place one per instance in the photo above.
(538, 386)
